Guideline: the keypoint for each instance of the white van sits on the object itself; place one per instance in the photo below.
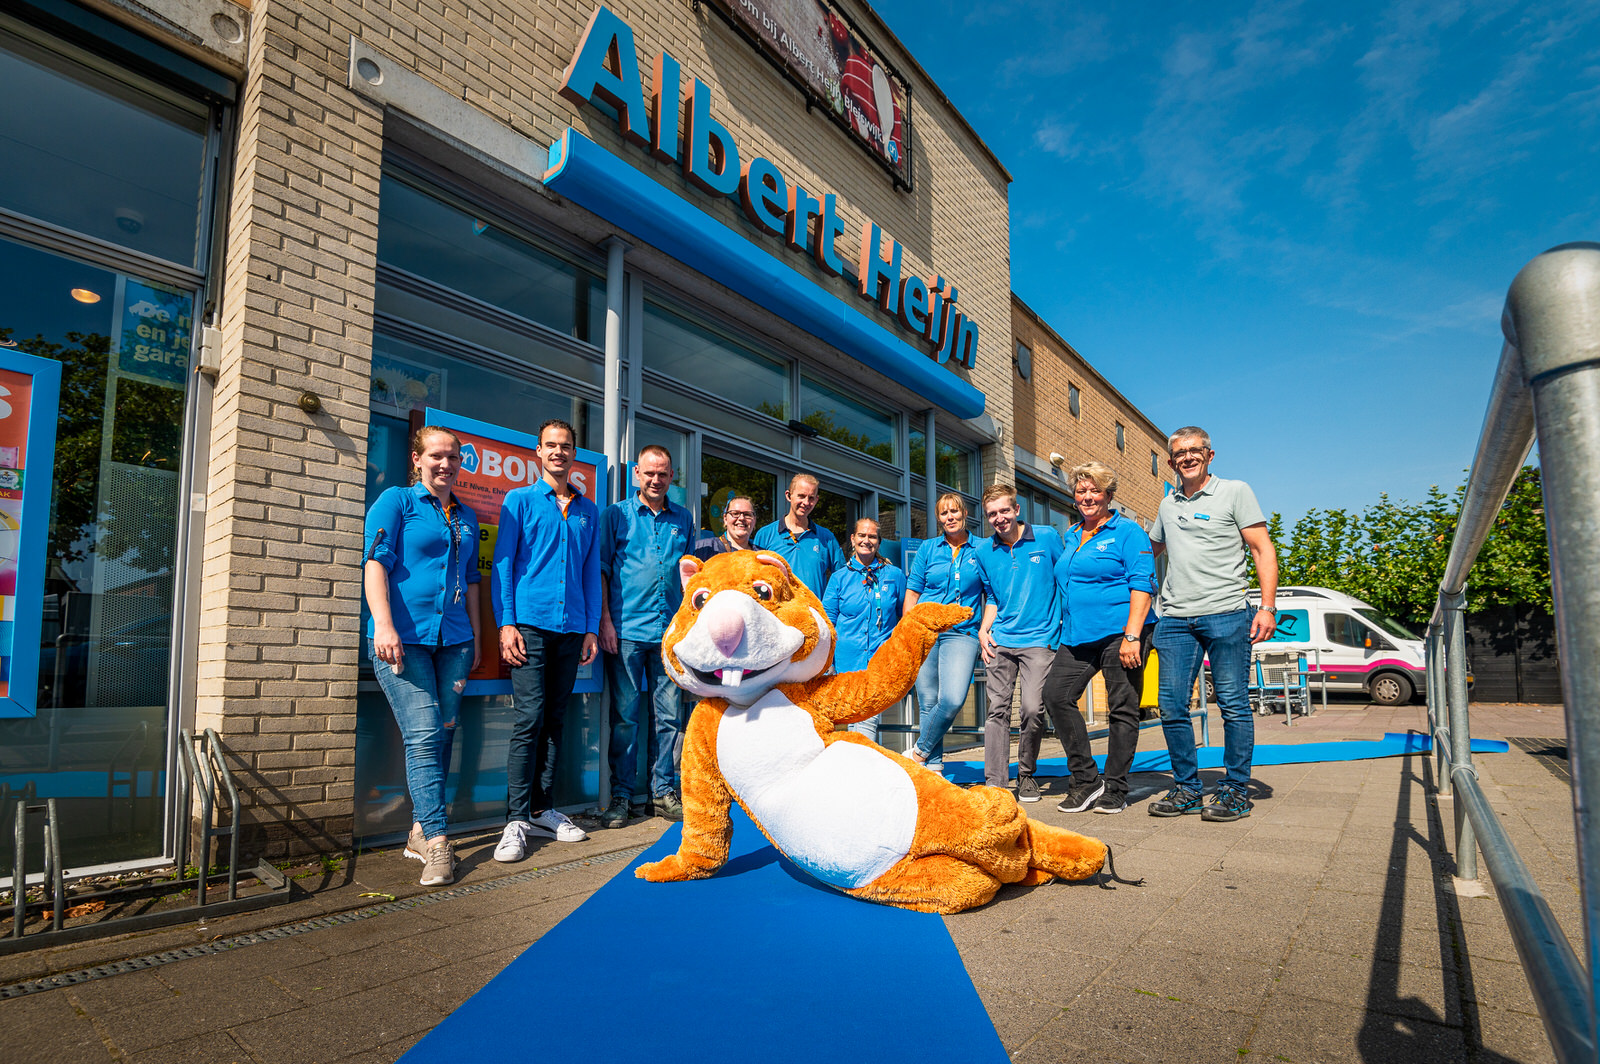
(1345, 640)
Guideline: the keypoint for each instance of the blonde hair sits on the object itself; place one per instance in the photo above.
(1097, 473)
(998, 491)
(950, 496)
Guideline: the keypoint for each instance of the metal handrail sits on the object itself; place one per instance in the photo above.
(1547, 386)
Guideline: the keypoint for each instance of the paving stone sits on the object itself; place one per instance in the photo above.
(350, 973)
(46, 1027)
(1314, 1032)
(129, 990)
(446, 987)
(216, 1047)
(1111, 1023)
(1222, 982)
(1039, 972)
(1374, 984)
(1514, 1036)
(327, 1031)
(1017, 1018)
(217, 1002)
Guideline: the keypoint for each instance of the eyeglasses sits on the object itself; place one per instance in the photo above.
(740, 515)
(1197, 452)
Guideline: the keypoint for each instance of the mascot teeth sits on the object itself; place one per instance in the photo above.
(732, 677)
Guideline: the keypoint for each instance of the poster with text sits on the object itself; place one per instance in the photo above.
(494, 462)
(814, 40)
(157, 330)
(29, 392)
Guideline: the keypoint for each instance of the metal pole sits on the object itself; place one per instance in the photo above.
(1553, 317)
(615, 297)
(1454, 608)
(1436, 712)
(930, 474)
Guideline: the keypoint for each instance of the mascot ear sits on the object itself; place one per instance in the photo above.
(768, 558)
(688, 565)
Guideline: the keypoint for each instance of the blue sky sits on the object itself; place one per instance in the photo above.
(1293, 224)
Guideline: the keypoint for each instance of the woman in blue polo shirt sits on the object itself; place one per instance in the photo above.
(945, 570)
(421, 583)
(1105, 578)
(863, 601)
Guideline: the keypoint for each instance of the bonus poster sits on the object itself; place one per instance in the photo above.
(29, 393)
(495, 461)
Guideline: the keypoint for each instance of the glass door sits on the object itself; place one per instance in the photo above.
(722, 478)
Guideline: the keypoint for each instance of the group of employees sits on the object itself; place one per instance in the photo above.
(569, 580)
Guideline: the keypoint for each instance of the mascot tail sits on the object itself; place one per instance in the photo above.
(1054, 851)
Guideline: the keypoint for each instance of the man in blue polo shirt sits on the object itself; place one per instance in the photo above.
(1018, 634)
(812, 551)
(546, 593)
(641, 540)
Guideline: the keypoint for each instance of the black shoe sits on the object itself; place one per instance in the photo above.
(1226, 805)
(1081, 796)
(1180, 801)
(616, 814)
(1111, 803)
(1027, 789)
(667, 806)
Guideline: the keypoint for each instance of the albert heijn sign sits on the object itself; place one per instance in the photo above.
(680, 131)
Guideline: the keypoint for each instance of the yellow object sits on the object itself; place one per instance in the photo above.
(1149, 698)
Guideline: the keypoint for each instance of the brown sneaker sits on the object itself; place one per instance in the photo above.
(440, 867)
(417, 845)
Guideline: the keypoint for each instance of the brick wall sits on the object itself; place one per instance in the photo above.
(1045, 423)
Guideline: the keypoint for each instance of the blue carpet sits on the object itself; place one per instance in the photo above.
(1393, 744)
(760, 962)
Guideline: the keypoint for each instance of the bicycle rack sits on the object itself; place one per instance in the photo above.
(205, 768)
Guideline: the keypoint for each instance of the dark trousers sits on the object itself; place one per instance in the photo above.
(1065, 683)
(540, 689)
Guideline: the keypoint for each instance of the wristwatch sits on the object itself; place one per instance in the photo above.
(1267, 609)
(1126, 638)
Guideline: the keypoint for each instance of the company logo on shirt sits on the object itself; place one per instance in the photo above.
(1202, 517)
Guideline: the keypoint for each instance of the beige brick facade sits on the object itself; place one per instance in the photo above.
(1045, 423)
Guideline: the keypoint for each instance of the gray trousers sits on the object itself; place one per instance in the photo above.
(1033, 663)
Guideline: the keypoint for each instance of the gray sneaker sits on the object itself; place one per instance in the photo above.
(416, 845)
(1027, 789)
(440, 867)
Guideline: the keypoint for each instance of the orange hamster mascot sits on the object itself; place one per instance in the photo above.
(754, 643)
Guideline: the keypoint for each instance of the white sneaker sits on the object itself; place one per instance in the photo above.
(556, 826)
(513, 842)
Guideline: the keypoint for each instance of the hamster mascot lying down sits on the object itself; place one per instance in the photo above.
(754, 643)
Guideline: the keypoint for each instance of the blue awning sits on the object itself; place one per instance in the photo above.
(598, 181)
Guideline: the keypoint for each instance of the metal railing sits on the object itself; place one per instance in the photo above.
(1547, 387)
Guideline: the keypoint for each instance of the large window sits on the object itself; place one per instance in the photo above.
(953, 464)
(696, 355)
(103, 155)
(839, 418)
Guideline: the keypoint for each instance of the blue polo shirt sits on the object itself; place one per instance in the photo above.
(950, 576)
(1096, 580)
(639, 552)
(813, 555)
(546, 566)
(430, 555)
(863, 602)
(1020, 581)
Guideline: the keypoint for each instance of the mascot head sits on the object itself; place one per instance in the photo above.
(745, 626)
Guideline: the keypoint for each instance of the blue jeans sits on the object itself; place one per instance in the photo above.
(942, 686)
(868, 727)
(635, 668)
(1182, 642)
(540, 688)
(426, 705)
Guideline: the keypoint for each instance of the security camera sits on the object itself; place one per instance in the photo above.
(129, 220)
(1057, 459)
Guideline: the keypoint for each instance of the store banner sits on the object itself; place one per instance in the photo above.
(494, 462)
(813, 40)
(156, 325)
(30, 390)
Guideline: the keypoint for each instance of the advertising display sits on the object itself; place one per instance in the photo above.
(494, 461)
(30, 389)
(814, 42)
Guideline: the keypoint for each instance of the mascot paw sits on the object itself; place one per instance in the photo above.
(936, 616)
(669, 870)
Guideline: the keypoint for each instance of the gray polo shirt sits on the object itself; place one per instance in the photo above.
(1205, 551)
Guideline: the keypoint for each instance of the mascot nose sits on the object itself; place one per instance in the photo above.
(726, 629)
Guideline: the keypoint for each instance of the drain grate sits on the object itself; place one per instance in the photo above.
(1551, 753)
(272, 934)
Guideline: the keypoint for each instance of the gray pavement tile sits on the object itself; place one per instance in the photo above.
(388, 927)
(1517, 1036)
(129, 990)
(1419, 944)
(490, 933)
(446, 987)
(1184, 930)
(217, 1047)
(1035, 970)
(1217, 840)
(1374, 984)
(1111, 1023)
(384, 1054)
(1499, 985)
(326, 1031)
(228, 1000)
(52, 1029)
(1016, 1018)
(975, 925)
(1237, 984)
(1268, 864)
(1306, 1031)
(350, 973)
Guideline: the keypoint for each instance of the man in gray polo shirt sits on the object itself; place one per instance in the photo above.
(1204, 528)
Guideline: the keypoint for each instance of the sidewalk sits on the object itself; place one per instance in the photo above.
(1322, 928)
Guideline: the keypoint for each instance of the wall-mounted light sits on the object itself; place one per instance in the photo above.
(1058, 459)
(83, 295)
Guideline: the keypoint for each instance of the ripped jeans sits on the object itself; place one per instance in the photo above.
(426, 699)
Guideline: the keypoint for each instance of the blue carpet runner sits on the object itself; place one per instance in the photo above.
(1393, 744)
(759, 963)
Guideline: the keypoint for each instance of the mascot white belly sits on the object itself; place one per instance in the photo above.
(842, 811)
